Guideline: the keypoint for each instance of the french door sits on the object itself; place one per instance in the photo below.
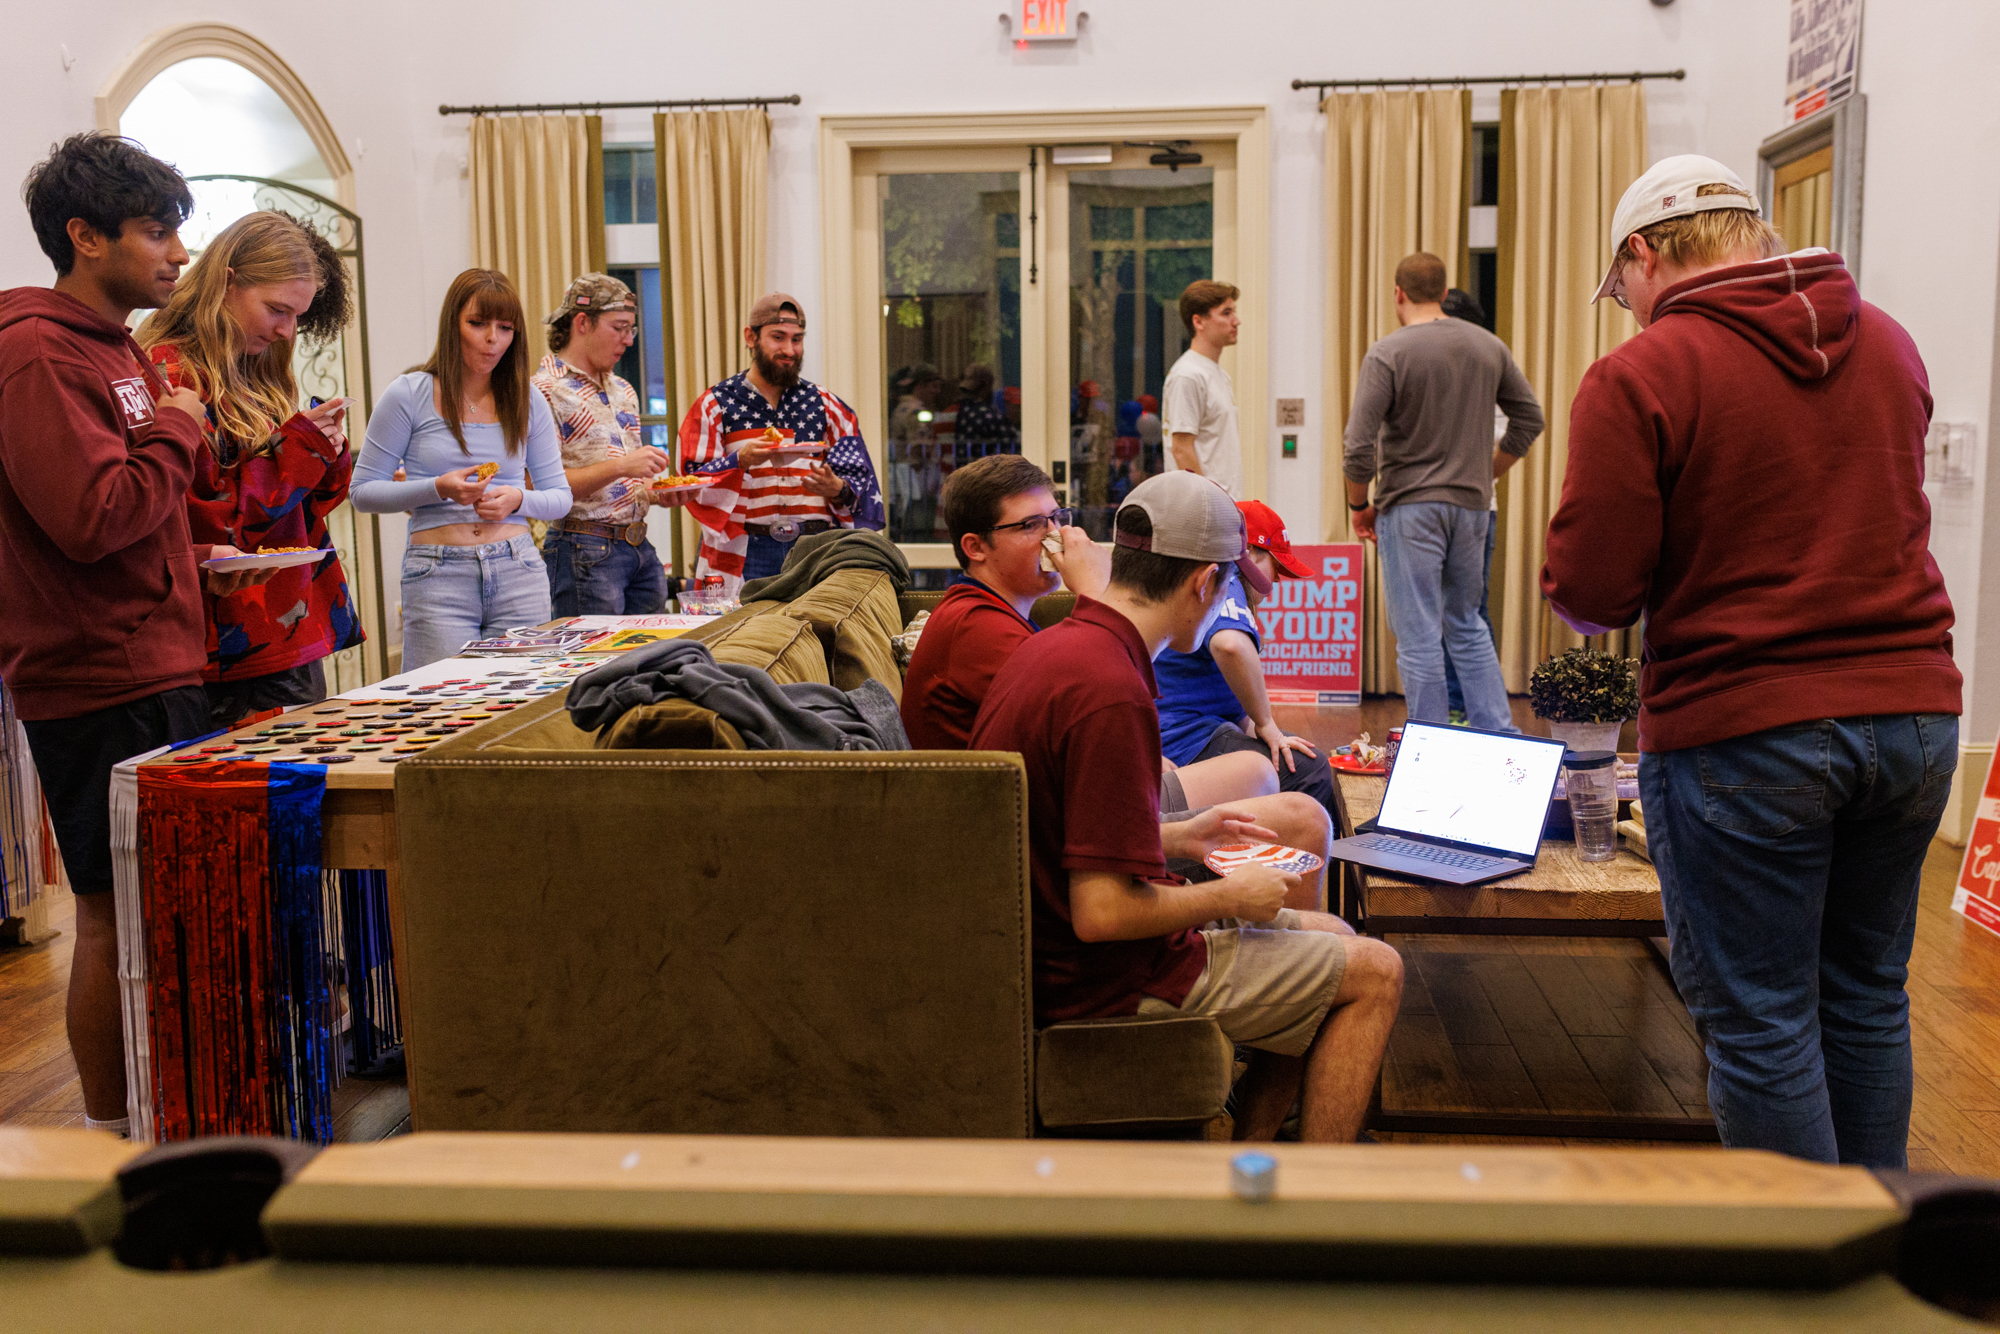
(1000, 301)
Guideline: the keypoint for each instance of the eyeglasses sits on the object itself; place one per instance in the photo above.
(1036, 524)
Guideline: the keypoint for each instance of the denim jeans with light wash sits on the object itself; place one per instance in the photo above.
(1789, 862)
(603, 576)
(1431, 558)
(454, 595)
(1455, 693)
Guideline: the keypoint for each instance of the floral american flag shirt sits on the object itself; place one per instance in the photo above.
(595, 423)
(733, 414)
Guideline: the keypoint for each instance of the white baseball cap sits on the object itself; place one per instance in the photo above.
(1670, 189)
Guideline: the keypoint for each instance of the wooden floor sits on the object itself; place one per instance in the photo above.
(1488, 1023)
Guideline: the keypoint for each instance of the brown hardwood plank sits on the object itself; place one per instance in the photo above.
(1582, 1008)
(1673, 1053)
(1463, 1006)
(365, 1110)
(1422, 1071)
(1626, 1076)
(1558, 1070)
(1417, 997)
(50, 1120)
(1967, 1142)
(1955, 1077)
(1498, 1080)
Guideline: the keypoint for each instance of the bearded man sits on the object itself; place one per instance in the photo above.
(786, 456)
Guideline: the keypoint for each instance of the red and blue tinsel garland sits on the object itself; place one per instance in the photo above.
(237, 944)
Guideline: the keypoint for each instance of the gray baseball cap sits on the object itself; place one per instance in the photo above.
(1193, 519)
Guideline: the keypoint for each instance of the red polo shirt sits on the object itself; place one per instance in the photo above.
(971, 635)
(1076, 702)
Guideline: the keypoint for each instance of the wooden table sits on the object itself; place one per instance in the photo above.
(1563, 896)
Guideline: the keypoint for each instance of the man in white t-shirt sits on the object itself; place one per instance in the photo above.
(1198, 404)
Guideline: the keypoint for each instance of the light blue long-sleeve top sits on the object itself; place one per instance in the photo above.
(406, 432)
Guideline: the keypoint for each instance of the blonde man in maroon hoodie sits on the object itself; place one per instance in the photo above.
(104, 633)
(1747, 475)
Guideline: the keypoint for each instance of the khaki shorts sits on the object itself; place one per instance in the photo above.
(1269, 985)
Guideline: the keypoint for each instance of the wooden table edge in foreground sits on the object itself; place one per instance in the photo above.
(1462, 1214)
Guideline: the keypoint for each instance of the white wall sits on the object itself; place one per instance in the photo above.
(381, 81)
(1931, 258)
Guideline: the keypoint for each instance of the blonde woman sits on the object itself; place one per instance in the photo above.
(271, 473)
(471, 569)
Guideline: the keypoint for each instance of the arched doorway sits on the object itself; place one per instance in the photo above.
(242, 128)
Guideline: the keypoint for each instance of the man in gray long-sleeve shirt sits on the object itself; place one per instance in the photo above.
(1421, 429)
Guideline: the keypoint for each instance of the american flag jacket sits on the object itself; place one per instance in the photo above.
(733, 414)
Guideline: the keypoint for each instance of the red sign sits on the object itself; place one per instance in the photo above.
(1045, 21)
(1312, 628)
(1978, 892)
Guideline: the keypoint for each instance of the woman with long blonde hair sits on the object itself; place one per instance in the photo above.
(469, 435)
(271, 473)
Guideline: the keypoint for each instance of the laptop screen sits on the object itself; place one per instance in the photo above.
(1483, 788)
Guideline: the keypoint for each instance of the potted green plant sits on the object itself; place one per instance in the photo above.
(1585, 696)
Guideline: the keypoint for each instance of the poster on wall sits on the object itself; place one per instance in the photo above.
(1312, 629)
(1824, 63)
(1978, 893)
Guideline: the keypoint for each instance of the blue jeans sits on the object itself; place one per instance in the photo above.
(603, 576)
(454, 595)
(1454, 692)
(765, 557)
(1789, 862)
(1431, 553)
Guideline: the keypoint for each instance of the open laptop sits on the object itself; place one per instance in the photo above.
(1463, 806)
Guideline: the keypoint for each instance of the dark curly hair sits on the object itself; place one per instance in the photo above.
(332, 309)
(106, 181)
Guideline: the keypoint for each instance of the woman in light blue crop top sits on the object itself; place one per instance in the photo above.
(471, 570)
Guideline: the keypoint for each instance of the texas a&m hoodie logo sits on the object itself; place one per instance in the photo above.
(133, 401)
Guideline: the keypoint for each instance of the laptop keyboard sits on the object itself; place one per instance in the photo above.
(1425, 852)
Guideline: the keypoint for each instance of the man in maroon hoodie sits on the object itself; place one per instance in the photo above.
(104, 633)
(1747, 475)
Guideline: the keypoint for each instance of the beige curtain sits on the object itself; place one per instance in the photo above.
(1566, 156)
(712, 171)
(538, 206)
(1396, 183)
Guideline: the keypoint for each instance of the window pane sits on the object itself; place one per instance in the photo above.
(645, 197)
(951, 333)
(653, 390)
(1137, 238)
(629, 365)
(617, 187)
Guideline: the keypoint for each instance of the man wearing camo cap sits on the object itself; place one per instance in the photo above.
(600, 560)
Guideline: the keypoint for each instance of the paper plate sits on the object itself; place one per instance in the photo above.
(686, 489)
(1232, 855)
(267, 560)
(798, 452)
(1347, 764)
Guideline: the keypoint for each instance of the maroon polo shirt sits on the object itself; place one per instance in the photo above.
(973, 632)
(1076, 702)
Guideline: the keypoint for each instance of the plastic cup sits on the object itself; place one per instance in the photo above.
(1591, 777)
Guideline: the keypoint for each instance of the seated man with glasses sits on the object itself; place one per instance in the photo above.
(999, 510)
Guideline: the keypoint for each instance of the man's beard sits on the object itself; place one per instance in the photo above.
(780, 377)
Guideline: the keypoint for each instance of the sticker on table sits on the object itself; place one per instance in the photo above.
(1294, 861)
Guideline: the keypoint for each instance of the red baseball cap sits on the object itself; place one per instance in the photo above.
(1265, 529)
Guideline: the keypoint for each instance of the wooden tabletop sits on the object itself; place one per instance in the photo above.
(1562, 887)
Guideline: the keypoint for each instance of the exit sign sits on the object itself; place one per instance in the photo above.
(1046, 21)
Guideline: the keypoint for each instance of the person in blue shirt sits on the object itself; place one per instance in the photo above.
(1213, 700)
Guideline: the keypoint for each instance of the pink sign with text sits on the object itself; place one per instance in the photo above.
(1312, 628)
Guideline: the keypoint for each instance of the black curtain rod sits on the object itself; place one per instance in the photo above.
(1633, 77)
(791, 100)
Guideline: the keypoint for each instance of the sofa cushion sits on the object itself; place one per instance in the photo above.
(1146, 1071)
(855, 613)
(671, 724)
(788, 649)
